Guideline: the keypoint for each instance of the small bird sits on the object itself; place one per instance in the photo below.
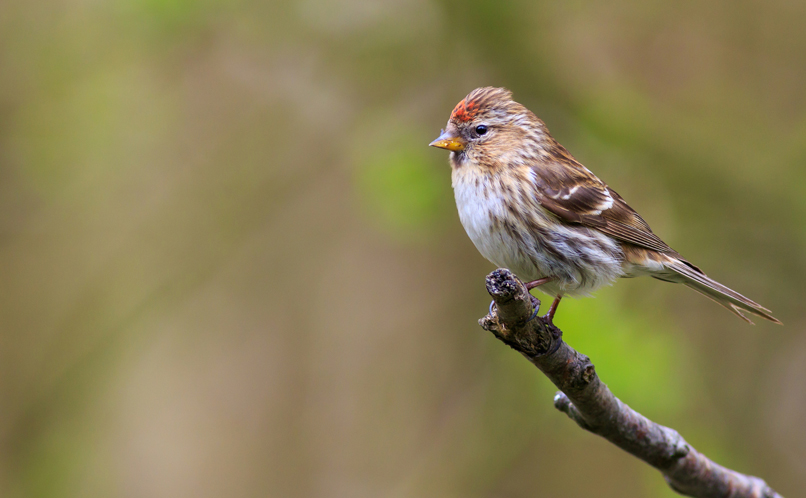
(529, 206)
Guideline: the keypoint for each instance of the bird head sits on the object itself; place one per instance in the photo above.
(487, 122)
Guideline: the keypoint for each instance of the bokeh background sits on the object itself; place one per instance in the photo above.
(230, 265)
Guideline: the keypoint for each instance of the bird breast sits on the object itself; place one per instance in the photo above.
(505, 221)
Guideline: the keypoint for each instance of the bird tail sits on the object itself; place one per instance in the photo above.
(686, 273)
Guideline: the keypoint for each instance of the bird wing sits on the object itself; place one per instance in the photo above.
(577, 196)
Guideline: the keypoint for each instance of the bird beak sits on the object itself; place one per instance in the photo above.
(450, 141)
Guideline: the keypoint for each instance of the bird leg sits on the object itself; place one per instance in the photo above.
(531, 285)
(537, 283)
(553, 308)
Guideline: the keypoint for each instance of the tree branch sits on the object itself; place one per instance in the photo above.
(589, 403)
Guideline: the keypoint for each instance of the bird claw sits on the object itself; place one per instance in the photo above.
(535, 305)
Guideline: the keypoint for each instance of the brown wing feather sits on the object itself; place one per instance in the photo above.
(576, 195)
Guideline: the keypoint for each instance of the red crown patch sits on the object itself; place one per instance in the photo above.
(465, 111)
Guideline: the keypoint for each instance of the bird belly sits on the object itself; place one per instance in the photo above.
(534, 244)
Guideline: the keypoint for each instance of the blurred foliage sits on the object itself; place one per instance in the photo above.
(624, 344)
(232, 266)
(402, 187)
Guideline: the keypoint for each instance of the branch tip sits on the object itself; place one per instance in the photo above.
(561, 401)
(502, 284)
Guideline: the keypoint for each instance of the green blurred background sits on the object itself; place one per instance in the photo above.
(230, 265)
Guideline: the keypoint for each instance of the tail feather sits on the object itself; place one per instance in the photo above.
(693, 277)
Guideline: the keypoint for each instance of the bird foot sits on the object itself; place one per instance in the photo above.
(535, 305)
(549, 317)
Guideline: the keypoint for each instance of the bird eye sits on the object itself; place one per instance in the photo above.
(481, 129)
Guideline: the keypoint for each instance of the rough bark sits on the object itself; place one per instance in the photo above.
(589, 403)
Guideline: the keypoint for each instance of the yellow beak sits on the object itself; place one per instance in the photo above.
(448, 141)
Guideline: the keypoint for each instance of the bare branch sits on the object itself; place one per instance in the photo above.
(589, 403)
